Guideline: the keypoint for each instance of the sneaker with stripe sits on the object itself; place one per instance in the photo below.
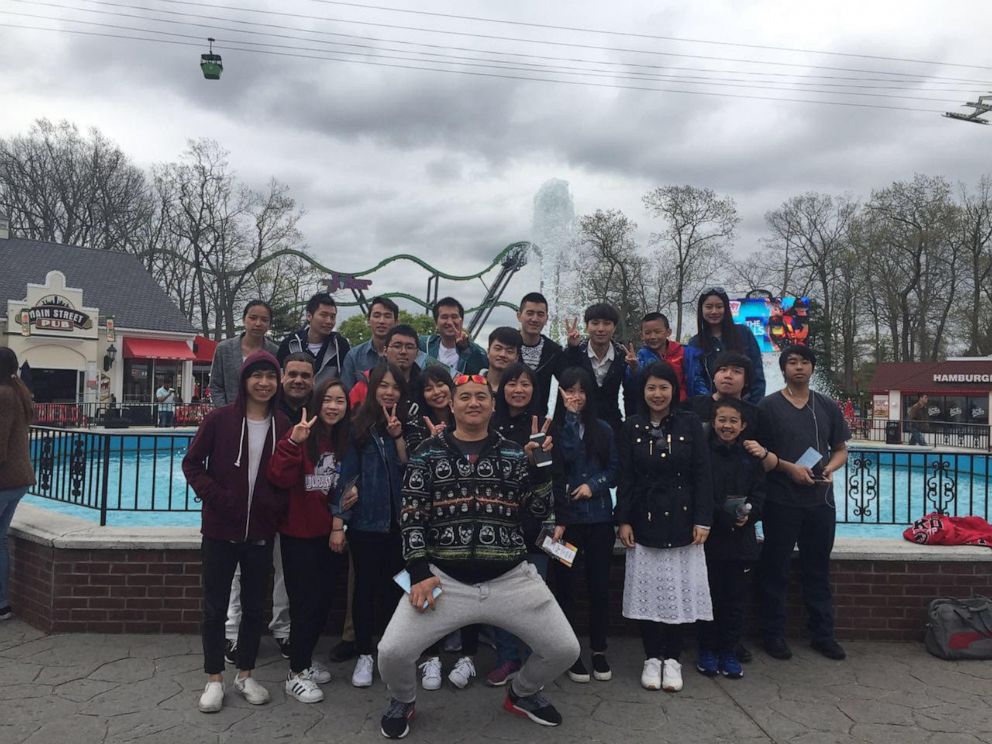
(303, 688)
(536, 707)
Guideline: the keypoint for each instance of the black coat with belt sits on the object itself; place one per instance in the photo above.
(665, 484)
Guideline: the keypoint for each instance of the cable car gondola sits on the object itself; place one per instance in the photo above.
(211, 63)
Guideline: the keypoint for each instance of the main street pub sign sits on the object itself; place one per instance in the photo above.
(54, 313)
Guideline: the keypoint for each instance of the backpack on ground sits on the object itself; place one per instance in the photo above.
(960, 628)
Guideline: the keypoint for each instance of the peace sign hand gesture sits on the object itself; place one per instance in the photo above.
(631, 357)
(394, 427)
(546, 444)
(301, 432)
(573, 336)
(433, 428)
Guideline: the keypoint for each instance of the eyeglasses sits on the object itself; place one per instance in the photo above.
(403, 347)
(465, 379)
(712, 290)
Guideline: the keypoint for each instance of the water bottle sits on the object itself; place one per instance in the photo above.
(743, 510)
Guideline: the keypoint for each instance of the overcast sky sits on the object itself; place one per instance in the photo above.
(444, 165)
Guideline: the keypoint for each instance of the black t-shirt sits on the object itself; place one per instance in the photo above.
(471, 450)
(755, 419)
(820, 425)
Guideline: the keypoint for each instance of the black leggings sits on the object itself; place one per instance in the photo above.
(661, 640)
(595, 543)
(378, 557)
(309, 566)
(219, 559)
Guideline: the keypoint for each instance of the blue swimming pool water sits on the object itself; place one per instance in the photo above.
(876, 487)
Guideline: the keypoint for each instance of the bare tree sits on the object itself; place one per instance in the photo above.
(59, 186)
(698, 229)
(976, 226)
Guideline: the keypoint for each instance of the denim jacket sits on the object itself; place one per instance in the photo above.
(380, 477)
(579, 469)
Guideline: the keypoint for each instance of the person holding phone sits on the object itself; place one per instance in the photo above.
(307, 463)
(584, 512)
(805, 427)
(463, 494)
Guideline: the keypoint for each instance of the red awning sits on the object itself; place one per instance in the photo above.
(204, 349)
(155, 348)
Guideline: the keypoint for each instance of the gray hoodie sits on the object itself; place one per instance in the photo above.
(225, 372)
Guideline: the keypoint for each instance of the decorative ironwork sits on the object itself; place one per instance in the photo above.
(77, 468)
(941, 488)
(46, 463)
(862, 484)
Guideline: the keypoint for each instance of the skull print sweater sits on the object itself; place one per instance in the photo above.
(461, 512)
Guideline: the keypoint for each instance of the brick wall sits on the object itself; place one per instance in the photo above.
(158, 591)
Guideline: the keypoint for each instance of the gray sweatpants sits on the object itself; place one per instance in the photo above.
(518, 601)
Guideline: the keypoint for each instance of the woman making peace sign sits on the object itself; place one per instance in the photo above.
(307, 463)
(376, 458)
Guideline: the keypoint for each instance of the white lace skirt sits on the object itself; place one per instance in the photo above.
(667, 585)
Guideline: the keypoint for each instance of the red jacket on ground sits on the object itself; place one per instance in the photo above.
(941, 529)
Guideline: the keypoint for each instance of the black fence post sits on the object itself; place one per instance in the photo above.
(105, 480)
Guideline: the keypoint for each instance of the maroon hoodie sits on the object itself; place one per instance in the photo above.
(216, 468)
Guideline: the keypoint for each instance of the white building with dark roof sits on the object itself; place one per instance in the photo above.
(93, 325)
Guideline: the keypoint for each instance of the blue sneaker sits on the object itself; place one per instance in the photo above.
(706, 663)
(730, 667)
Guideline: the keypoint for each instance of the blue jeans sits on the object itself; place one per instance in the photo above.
(916, 436)
(166, 418)
(8, 503)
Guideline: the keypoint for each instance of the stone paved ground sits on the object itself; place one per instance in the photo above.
(83, 689)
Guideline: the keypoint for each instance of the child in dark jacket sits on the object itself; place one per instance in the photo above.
(225, 466)
(738, 495)
(584, 510)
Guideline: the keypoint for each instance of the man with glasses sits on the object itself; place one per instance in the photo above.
(383, 315)
(464, 492)
(401, 350)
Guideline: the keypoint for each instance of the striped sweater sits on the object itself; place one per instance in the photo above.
(464, 516)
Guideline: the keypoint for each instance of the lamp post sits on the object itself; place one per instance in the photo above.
(109, 357)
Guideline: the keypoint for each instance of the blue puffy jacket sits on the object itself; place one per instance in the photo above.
(699, 366)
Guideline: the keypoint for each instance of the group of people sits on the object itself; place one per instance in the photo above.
(432, 463)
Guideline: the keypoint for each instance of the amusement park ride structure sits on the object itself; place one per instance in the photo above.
(509, 260)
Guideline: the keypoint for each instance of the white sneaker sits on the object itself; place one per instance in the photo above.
(463, 672)
(431, 674)
(212, 699)
(251, 691)
(362, 676)
(303, 688)
(671, 676)
(651, 674)
(317, 672)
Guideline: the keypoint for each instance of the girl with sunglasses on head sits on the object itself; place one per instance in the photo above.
(307, 463)
(584, 511)
(717, 333)
(375, 464)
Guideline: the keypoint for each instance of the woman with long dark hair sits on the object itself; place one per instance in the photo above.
(518, 417)
(664, 509)
(717, 333)
(16, 473)
(376, 460)
(307, 463)
(430, 410)
(584, 510)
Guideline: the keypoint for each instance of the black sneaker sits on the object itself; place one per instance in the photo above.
(777, 648)
(6, 613)
(829, 648)
(231, 652)
(343, 651)
(283, 647)
(601, 668)
(536, 707)
(578, 672)
(396, 720)
(743, 654)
